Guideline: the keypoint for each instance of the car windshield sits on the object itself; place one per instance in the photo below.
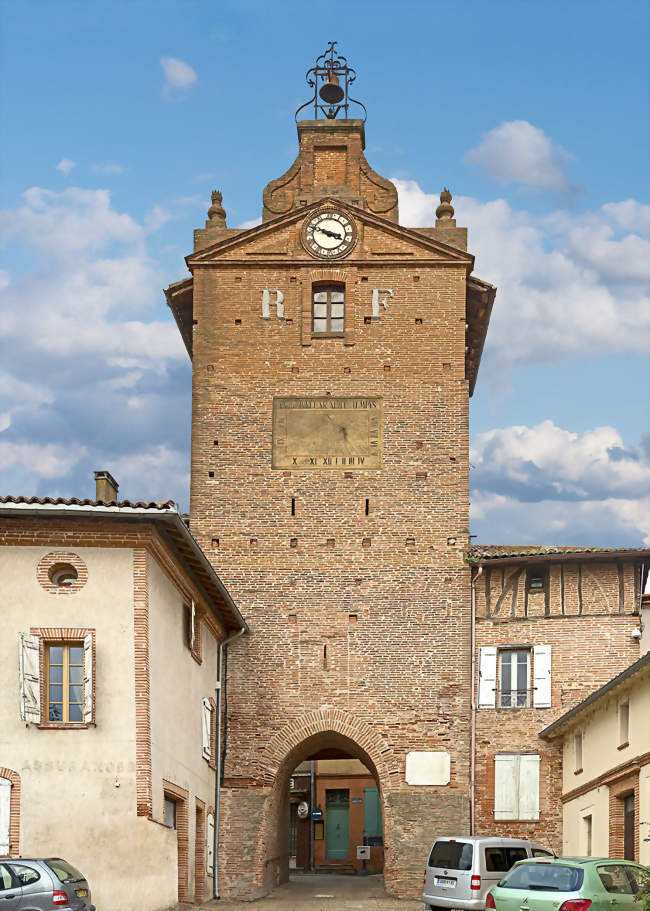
(65, 871)
(544, 877)
(452, 855)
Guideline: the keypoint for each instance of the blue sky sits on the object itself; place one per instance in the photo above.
(123, 116)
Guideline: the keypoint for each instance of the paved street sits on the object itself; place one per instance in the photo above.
(322, 892)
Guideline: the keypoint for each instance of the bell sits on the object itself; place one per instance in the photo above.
(331, 92)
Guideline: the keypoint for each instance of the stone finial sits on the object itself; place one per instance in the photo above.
(445, 210)
(216, 212)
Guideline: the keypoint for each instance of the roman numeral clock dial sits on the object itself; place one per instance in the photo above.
(329, 234)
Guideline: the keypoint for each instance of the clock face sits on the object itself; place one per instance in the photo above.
(329, 234)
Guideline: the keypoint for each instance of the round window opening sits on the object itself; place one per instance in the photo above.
(62, 574)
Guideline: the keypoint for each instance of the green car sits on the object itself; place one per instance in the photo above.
(569, 884)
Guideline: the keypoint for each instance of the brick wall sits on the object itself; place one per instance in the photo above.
(359, 600)
(587, 618)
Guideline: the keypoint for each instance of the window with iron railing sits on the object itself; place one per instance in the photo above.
(514, 678)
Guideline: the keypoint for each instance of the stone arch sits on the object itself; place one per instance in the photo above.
(299, 739)
(321, 722)
(329, 275)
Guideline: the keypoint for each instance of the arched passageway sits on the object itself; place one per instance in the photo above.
(324, 736)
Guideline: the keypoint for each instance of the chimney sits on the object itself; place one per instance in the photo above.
(106, 487)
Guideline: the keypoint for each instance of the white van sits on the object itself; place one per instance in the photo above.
(461, 871)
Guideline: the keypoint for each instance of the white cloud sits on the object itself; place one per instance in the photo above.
(178, 74)
(66, 165)
(567, 284)
(44, 460)
(546, 462)
(251, 223)
(157, 472)
(108, 168)
(518, 151)
(544, 483)
(498, 519)
(88, 321)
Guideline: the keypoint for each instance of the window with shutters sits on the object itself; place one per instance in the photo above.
(209, 844)
(516, 786)
(5, 816)
(504, 677)
(209, 731)
(9, 812)
(192, 630)
(57, 677)
(328, 309)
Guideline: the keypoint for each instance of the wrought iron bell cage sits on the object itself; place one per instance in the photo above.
(331, 79)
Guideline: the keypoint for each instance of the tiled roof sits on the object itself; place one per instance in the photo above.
(478, 553)
(167, 517)
(74, 501)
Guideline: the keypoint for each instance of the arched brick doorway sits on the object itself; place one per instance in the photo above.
(324, 732)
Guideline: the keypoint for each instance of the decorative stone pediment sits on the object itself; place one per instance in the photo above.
(379, 240)
(331, 163)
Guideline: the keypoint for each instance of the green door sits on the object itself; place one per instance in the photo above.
(337, 824)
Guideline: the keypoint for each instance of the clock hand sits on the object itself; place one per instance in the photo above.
(329, 233)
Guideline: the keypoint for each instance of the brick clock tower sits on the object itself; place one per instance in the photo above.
(334, 352)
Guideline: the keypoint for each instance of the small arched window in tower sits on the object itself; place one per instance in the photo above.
(328, 309)
(62, 574)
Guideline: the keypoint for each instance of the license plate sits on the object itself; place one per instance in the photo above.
(82, 893)
(445, 883)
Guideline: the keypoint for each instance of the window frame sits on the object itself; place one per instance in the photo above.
(540, 571)
(65, 683)
(35, 710)
(327, 288)
(513, 693)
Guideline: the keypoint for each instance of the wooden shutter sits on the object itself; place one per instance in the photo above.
(371, 813)
(206, 718)
(30, 684)
(528, 786)
(542, 676)
(506, 780)
(5, 808)
(210, 844)
(89, 715)
(487, 677)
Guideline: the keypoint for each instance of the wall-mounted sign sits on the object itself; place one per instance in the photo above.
(356, 800)
(335, 433)
(316, 813)
(303, 810)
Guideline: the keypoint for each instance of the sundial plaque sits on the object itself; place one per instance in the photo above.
(327, 432)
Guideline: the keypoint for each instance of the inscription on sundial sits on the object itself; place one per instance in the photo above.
(327, 432)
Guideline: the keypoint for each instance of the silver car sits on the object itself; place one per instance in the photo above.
(461, 871)
(37, 885)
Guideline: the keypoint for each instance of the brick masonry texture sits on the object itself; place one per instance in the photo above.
(396, 678)
(354, 583)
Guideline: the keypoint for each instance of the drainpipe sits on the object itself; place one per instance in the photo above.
(472, 755)
(311, 821)
(217, 786)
